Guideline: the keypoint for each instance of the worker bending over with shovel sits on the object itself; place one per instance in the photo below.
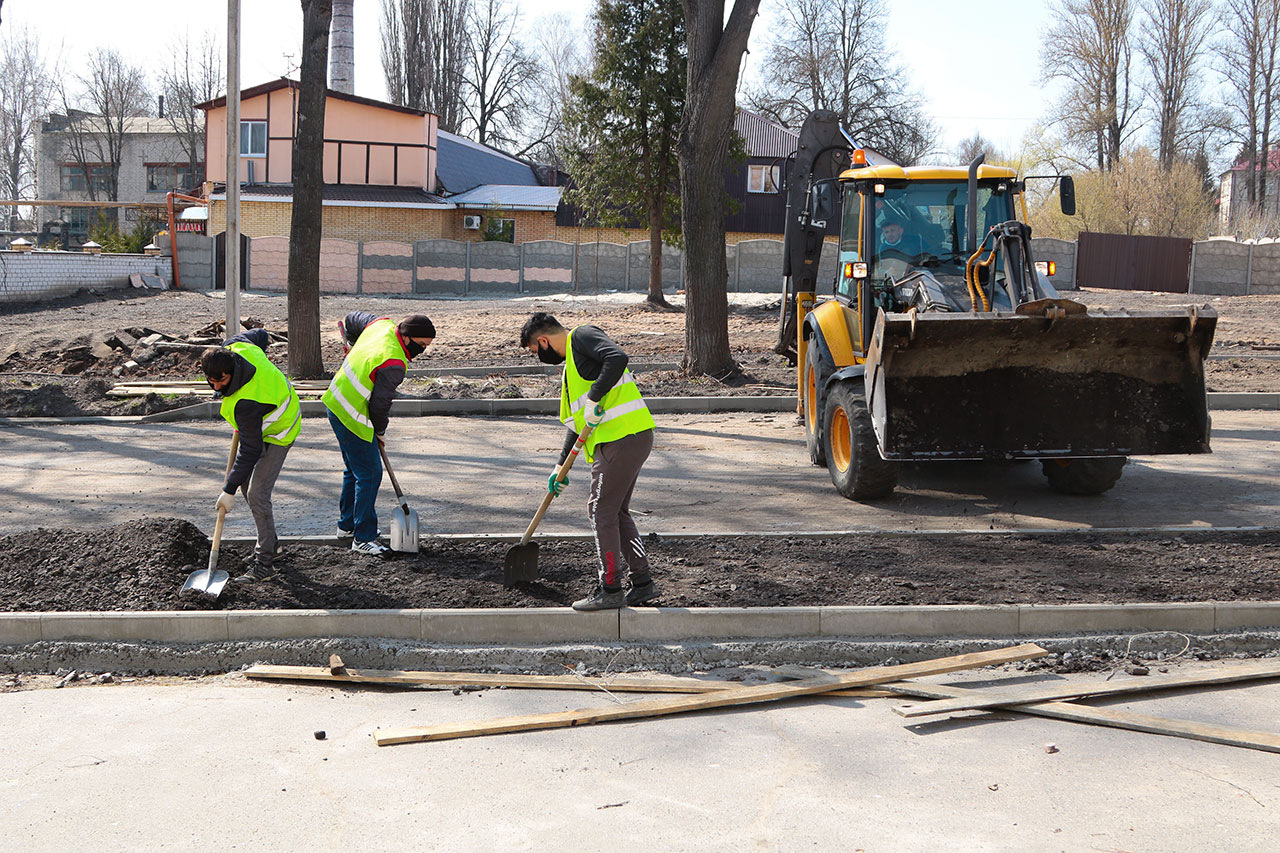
(262, 407)
(359, 403)
(597, 391)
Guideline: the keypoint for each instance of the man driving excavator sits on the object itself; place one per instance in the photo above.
(894, 238)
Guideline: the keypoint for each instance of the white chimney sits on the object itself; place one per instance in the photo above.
(342, 58)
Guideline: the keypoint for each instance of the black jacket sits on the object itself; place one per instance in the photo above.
(386, 379)
(597, 357)
(248, 414)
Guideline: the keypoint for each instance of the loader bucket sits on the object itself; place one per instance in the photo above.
(1021, 385)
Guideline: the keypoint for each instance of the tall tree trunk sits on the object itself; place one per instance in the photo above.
(714, 57)
(306, 229)
(656, 296)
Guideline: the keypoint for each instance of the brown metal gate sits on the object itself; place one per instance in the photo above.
(1121, 262)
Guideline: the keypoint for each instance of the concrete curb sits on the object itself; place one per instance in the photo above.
(552, 625)
(497, 408)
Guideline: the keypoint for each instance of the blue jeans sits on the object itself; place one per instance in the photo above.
(360, 481)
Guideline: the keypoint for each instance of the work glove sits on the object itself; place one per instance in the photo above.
(226, 501)
(555, 486)
(593, 416)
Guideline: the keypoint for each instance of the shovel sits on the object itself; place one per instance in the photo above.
(521, 563)
(404, 525)
(209, 581)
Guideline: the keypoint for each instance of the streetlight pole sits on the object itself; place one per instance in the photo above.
(232, 284)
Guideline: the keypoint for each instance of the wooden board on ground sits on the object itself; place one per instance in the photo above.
(1075, 712)
(718, 699)
(619, 684)
(1049, 691)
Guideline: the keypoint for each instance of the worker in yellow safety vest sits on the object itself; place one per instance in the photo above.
(260, 405)
(598, 391)
(359, 403)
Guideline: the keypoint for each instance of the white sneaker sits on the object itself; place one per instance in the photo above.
(346, 534)
(373, 549)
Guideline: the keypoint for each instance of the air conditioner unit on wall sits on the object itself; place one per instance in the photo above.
(471, 222)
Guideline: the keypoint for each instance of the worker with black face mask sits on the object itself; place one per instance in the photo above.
(598, 391)
(359, 403)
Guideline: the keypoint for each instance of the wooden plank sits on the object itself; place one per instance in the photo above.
(618, 684)
(718, 699)
(1044, 692)
(1208, 732)
(482, 679)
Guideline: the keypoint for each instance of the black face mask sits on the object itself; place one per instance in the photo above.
(413, 348)
(547, 355)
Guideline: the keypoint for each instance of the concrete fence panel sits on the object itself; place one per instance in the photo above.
(1264, 268)
(1063, 255)
(759, 265)
(672, 260)
(269, 267)
(339, 265)
(386, 267)
(495, 268)
(601, 267)
(1220, 267)
(195, 260)
(440, 266)
(548, 266)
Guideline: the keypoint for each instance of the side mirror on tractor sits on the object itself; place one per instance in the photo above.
(822, 205)
(1067, 195)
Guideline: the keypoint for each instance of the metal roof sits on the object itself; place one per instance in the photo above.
(462, 165)
(509, 197)
(762, 137)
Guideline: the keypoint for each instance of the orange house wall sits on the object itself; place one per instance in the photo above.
(345, 121)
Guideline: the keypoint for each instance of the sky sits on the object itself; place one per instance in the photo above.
(975, 62)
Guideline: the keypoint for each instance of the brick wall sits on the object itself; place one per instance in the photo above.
(35, 276)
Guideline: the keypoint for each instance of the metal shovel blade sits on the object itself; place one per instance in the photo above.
(404, 530)
(521, 564)
(208, 581)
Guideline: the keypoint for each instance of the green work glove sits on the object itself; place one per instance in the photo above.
(594, 416)
(555, 486)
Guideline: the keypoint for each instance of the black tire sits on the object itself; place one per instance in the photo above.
(1083, 476)
(857, 469)
(816, 371)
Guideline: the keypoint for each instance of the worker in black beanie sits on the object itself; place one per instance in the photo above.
(359, 403)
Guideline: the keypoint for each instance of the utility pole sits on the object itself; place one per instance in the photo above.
(232, 284)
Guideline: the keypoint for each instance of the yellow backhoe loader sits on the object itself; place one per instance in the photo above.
(942, 337)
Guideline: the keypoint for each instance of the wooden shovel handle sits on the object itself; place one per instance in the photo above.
(386, 463)
(217, 539)
(561, 473)
(235, 446)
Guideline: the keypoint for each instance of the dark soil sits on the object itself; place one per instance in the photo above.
(142, 565)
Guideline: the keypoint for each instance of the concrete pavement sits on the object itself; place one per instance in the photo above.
(228, 764)
(716, 473)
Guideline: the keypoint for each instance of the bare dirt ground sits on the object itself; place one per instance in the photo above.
(142, 565)
(59, 358)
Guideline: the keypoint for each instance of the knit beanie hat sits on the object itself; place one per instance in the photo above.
(417, 326)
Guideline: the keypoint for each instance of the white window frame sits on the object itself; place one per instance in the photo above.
(762, 178)
(246, 138)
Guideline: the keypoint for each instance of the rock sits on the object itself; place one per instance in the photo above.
(320, 734)
(144, 355)
(68, 678)
(1136, 669)
(1051, 748)
(105, 678)
(151, 339)
(123, 340)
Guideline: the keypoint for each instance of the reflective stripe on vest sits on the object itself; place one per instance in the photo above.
(270, 387)
(625, 412)
(348, 394)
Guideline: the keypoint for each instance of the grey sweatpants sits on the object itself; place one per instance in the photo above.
(613, 477)
(257, 494)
